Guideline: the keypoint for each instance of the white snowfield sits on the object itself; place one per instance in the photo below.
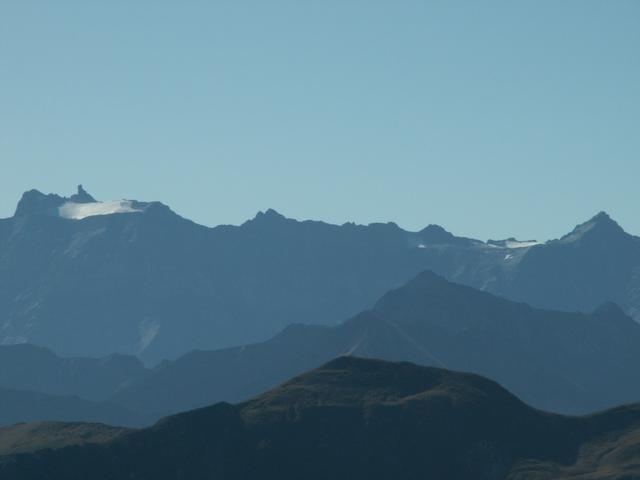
(78, 211)
(516, 244)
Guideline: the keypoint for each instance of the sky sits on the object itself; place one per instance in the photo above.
(490, 118)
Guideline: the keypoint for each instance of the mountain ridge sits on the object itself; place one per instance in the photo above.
(558, 361)
(135, 278)
(355, 419)
(19, 406)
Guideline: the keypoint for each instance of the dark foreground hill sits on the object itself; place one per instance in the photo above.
(557, 361)
(359, 419)
(90, 278)
(30, 437)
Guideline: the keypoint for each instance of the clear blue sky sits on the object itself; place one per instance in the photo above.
(489, 118)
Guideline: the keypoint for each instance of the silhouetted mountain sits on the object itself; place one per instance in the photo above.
(89, 278)
(359, 419)
(596, 262)
(28, 367)
(558, 361)
(23, 406)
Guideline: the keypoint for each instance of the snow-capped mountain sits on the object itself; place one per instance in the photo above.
(86, 277)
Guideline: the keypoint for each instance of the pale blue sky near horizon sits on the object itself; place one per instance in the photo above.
(490, 118)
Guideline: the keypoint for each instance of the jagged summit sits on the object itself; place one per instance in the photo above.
(76, 207)
(600, 227)
(603, 220)
(35, 202)
(267, 217)
(436, 234)
(270, 213)
(602, 216)
(81, 196)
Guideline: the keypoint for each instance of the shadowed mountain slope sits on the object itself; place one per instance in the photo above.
(359, 419)
(598, 261)
(557, 361)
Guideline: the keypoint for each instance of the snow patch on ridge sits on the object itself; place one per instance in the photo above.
(78, 211)
(517, 244)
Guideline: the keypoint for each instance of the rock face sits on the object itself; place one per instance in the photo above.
(91, 278)
(358, 419)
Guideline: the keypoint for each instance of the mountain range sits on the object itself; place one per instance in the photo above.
(349, 419)
(19, 406)
(557, 361)
(90, 278)
(29, 367)
(564, 362)
(37, 385)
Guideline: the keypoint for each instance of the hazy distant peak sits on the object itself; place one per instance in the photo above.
(610, 310)
(436, 230)
(602, 219)
(601, 226)
(431, 277)
(384, 226)
(268, 216)
(271, 213)
(435, 234)
(425, 282)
